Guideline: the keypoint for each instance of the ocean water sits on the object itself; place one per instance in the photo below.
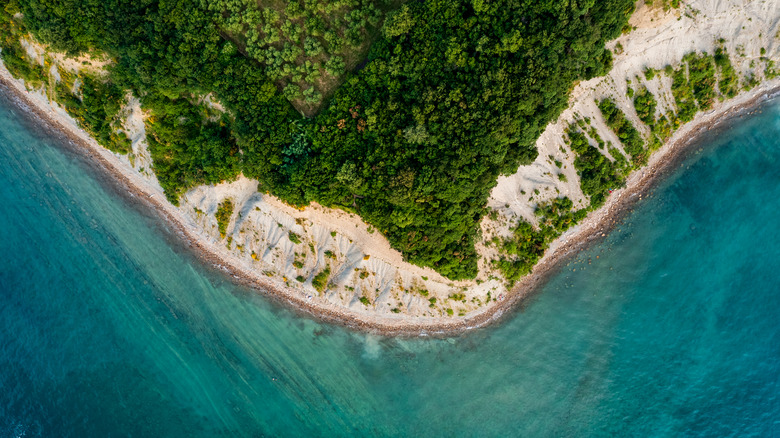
(669, 327)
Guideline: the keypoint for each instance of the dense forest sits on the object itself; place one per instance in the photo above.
(304, 47)
(697, 82)
(450, 94)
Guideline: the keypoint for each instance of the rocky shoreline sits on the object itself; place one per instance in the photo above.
(592, 229)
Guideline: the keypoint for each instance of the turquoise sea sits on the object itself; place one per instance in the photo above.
(669, 327)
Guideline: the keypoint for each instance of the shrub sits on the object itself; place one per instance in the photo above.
(645, 105)
(527, 245)
(683, 95)
(320, 281)
(728, 83)
(224, 212)
(294, 238)
(701, 72)
(628, 135)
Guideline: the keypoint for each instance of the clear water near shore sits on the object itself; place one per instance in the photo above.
(668, 327)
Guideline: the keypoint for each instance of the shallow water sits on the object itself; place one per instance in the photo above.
(668, 327)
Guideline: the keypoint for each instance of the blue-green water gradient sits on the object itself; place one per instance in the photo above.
(669, 327)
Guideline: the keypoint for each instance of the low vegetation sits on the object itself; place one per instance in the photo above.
(728, 82)
(305, 47)
(223, 215)
(413, 141)
(320, 281)
(20, 65)
(693, 88)
(645, 106)
(629, 136)
(665, 4)
(523, 250)
(96, 107)
(438, 99)
(701, 76)
(294, 238)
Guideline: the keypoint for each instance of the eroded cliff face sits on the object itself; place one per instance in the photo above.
(334, 260)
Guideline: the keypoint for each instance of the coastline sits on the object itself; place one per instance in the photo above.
(599, 223)
(593, 228)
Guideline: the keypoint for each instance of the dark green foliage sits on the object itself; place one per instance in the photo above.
(683, 95)
(186, 148)
(304, 46)
(454, 93)
(223, 215)
(698, 85)
(320, 281)
(96, 111)
(527, 244)
(365, 301)
(294, 238)
(17, 62)
(625, 130)
(417, 137)
(770, 71)
(598, 175)
(701, 74)
(645, 105)
(728, 83)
